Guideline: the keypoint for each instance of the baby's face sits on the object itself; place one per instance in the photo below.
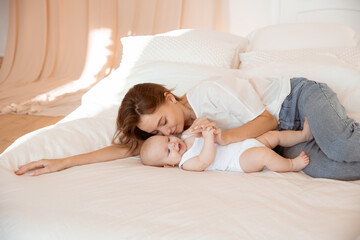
(169, 150)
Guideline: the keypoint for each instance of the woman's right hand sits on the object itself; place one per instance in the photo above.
(101, 155)
(43, 166)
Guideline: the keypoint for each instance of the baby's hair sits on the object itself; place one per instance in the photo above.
(145, 155)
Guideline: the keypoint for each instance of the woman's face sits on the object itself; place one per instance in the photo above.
(168, 119)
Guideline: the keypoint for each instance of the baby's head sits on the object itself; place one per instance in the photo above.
(162, 151)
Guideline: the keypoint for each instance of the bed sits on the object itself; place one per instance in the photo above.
(123, 199)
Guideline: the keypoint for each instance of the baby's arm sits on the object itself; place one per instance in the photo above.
(206, 156)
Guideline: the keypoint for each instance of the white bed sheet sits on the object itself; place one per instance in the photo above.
(126, 200)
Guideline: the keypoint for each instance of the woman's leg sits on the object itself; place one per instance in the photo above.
(320, 165)
(255, 159)
(337, 135)
(302, 102)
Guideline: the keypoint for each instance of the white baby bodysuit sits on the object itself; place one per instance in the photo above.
(226, 158)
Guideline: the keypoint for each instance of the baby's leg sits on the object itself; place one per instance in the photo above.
(255, 159)
(287, 138)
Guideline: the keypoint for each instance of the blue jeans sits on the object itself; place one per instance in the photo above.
(335, 150)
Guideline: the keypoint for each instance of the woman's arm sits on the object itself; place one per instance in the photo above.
(53, 165)
(263, 123)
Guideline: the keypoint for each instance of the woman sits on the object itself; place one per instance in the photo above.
(240, 110)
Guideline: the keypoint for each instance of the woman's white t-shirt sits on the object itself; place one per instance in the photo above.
(231, 101)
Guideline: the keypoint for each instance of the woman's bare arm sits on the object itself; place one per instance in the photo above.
(263, 123)
(53, 165)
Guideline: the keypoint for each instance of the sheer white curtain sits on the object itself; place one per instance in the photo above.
(58, 49)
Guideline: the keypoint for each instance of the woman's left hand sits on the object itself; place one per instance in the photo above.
(219, 137)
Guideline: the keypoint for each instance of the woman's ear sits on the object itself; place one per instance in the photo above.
(170, 97)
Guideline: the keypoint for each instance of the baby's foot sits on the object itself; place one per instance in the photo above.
(306, 131)
(300, 162)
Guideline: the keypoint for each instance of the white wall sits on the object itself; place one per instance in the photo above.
(247, 15)
(4, 22)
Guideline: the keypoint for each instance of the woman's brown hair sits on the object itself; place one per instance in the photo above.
(141, 99)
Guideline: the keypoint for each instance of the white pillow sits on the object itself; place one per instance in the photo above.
(302, 35)
(341, 77)
(203, 47)
(59, 141)
(346, 55)
(180, 76)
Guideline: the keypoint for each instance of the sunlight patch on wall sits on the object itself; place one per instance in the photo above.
(100, 46)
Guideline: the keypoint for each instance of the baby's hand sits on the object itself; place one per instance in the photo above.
(208, 133)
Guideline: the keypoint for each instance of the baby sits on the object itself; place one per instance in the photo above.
(196, 153)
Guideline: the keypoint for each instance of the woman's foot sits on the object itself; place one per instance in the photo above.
(306, 131)
(300, 162)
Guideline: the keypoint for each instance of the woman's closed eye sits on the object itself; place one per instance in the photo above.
(168, 146)
(162, 122)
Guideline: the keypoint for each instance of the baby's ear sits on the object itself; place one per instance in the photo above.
(168, 166)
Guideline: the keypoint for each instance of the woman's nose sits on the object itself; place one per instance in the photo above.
(165, 131)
